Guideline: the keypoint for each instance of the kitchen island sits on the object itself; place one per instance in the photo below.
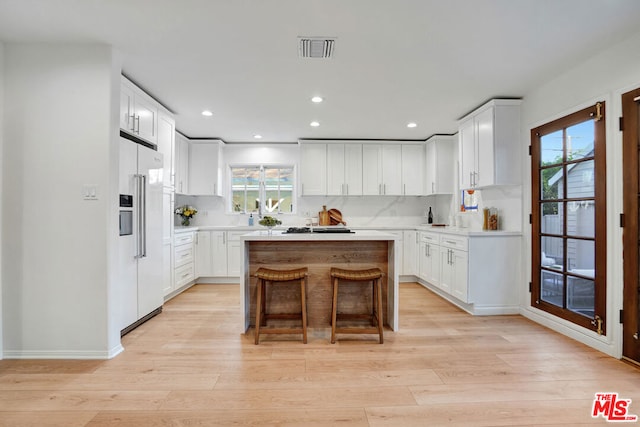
(319, 252)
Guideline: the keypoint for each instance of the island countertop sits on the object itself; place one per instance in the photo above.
(280, 235)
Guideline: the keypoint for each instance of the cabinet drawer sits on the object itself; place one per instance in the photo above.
(183, 275)
(454, 242)
(433, 238)
(183, 238)
(183, 255)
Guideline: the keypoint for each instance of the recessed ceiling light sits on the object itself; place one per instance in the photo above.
(207, 113)
(411, 125)
(314, 124)
(257, 136)
(316, 99)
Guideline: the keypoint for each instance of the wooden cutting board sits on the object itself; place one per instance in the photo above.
(335, 217)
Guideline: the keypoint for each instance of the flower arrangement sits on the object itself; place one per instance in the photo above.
(186, 212)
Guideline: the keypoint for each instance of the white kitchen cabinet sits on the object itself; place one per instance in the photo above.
(410, 243)
(167, 241)
(184, 266)
(412, 168)
(344, 169)
(453, 272)
(138, 112)
(489, 145)
(206, 168)
(181, 174)
(429, 259)
(219, 253)
(233, 253)
(478, 272)
(211, 253)
(381, 169)
(203, 254)
(313, 169)
(439, 165)
(166, 145)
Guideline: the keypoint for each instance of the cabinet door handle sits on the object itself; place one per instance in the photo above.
(347, 189)
(384, 186)
(404, 189)
(137, 119)
(302, 190)
(433, 185)
(132, 120)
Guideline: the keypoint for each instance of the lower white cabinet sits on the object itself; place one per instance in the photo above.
(429, 259)
(233, 253)
(453, 273)
(211, 253)
(217, 253)
(480, 272)
(184, 266)
(410, 242)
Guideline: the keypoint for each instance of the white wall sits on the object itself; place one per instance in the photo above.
(58, 137)
(604, 77)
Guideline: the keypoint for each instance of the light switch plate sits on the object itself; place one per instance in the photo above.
(90, 192)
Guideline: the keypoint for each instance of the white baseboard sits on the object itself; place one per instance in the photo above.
(63, 354)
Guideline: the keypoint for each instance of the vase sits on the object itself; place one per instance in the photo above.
(186, 221)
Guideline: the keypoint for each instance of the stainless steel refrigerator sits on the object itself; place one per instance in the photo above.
(139, 294)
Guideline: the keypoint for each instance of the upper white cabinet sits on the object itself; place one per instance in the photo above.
(412, 169)
(166, 145)
(206, 168)
(344, 169)
(181, 175)
(381, 169)
(138, 112)
(341, 168)
(489, 145)
(313, 169)
(439, 165)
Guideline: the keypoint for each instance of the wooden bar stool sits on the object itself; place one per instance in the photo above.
(265, 275)
(373, 275)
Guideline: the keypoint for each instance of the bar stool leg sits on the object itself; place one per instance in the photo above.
(334, 310)
(259, 293)
(378, 293)
(303, 307)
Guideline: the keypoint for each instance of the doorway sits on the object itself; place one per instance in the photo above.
(631, 198)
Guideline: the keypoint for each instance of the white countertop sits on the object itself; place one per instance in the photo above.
(446, 230)
(279, 235)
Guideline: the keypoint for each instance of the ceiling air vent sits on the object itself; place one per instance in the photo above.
(316, 47)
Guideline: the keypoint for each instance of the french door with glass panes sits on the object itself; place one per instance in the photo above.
(630, 232)
(569, 218)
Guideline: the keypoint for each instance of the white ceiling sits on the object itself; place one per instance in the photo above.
(426, 61)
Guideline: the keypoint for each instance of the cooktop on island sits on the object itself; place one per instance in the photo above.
(292, 230)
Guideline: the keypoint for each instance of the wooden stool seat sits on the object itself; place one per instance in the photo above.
(266, 275)
(373, 275)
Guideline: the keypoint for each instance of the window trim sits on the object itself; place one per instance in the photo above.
(595, 112)
(261, 166)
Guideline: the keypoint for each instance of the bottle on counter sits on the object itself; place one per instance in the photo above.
(430, 217)
(250, 220)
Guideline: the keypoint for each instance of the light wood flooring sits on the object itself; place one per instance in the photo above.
(190, 366)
